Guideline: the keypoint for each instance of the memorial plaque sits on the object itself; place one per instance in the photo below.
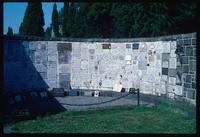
(172, 80)
(172, 63)
(135, 46)
(128, 57)
(84, 64)
(166, 47)
(165, 64)
(64, 46)
(106, 46)
(128, 46)
(173, 45)
(64, 57)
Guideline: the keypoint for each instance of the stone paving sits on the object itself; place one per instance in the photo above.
(89, 100)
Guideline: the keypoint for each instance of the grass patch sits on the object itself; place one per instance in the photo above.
(127, 119)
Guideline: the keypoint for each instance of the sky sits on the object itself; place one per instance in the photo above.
(13, 14)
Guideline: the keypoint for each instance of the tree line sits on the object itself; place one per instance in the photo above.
(110, 20)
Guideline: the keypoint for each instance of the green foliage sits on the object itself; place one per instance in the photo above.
(48, 32)
(117, 20)
(65, 14)
(10, 31)
(33, 21)
(55, 22)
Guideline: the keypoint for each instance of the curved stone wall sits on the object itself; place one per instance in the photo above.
(159, 65)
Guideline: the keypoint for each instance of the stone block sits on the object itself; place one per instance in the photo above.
(164, 71)
(192, 65)
(143, 47)
(64, 77)
(189, 51)
(194, 51)
(52, 58)
(191, 95)
(135, 46)
(166, 47)
(193, 41)
(165, 64)
(164, 77)
(187, 41)
(184, 60)
(172, 72)
(158, 56)
(91, 51)
(163, 89)
(188, 78)
(194, 85)
(172, 80)
(165, 57)
(178, 90)
(185, 68)
(172, 53)
(64, 68)
(142, 65)
(172, 63)
(187, 85)
(171, 88)
(173, 45)
(84, 64)
(128, 46)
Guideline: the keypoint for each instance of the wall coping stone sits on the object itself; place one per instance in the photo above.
(143, 39)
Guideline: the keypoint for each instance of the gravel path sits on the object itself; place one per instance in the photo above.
(89, 100)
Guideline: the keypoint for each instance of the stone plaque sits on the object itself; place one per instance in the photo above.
(172, 63)
(106, 46)
(84, 64)
(64, 57)
(165, 64)
(128, 57)
(52, 58)
(165, 57)
(64, 46)
(64, 80)
(128, 46)
(135, 46)
(166, 47)
(172, 80)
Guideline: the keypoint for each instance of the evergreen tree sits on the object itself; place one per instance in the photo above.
(10, 31)
(55, 23)
(48, 32)
(127, 19)
(65, 14)
(33, 21)
(20, 29)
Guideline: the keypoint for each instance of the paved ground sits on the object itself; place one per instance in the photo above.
(89, 100)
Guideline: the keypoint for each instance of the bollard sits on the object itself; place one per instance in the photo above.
(138, 96)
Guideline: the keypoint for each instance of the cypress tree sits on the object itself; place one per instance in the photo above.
(55, 23)
(65, 14)
(10, 31)
(48, 32)
(33, 21)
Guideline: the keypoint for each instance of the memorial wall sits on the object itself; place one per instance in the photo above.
(159, 65)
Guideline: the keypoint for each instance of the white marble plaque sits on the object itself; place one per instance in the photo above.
(172, 63)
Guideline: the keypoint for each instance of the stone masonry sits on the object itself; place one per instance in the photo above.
(160, 65)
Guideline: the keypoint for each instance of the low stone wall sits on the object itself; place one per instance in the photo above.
(160, 65)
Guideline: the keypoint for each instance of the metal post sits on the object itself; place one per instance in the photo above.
(138, 96)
